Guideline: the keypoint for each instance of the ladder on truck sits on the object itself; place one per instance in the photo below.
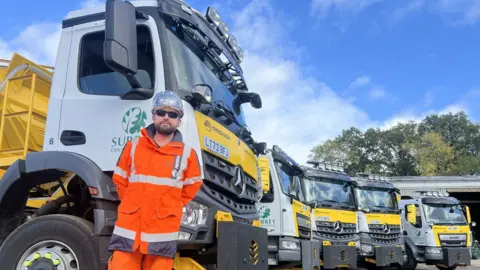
(24, 96)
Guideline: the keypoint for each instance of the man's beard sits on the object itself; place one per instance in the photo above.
(165, 130)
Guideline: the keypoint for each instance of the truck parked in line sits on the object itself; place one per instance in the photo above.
(61, 134)
(437, 231)
(329, 191)
(284, 214)
(379, 221)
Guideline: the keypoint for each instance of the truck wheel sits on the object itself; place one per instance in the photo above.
(410, 263)
(446, 268)
(57, 242)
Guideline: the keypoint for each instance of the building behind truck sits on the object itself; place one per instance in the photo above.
(284, 214)
(328, 190)
(379, 221)
(437, 231)
(64, 131)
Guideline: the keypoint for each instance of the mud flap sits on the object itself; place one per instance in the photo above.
(339, 256)
(456, 256)
(242, 246)
(310, 254)
(386, 256)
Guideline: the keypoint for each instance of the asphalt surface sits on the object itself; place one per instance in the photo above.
(475, 266)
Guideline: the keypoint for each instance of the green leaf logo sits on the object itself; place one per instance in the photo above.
(264, 212)
(133, 120)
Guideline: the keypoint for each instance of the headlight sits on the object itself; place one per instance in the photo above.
(433, 250)
(303, 222)
(194, 214)
(366, 248)
(290, 245)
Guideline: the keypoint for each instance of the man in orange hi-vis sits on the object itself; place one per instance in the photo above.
(156, 175)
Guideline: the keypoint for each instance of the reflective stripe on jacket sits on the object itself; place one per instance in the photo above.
(153, 183)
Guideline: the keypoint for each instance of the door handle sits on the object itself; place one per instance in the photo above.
(72, 137)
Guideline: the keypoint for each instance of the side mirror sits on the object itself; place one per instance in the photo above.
(202, 93)
(244, 97)
(264, 165)
(412, 214)
(260, 147)
(120, 47)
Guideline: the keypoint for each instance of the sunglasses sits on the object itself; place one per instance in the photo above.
(162, 113)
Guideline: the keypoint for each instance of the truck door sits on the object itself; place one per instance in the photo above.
(95, 121)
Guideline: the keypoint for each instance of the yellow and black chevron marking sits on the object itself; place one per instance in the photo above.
(254, 252)
(459, 256)
(392, 254)
(343, 255)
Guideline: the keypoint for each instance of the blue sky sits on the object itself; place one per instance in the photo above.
(320, 65)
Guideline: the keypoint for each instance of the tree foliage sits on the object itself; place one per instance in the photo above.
(446, 144)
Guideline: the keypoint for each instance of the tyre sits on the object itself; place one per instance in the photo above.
(410, 262)
(51, 242)
(446, 268)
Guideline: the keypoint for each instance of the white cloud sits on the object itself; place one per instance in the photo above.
(360, 81)
(298, 111)
(322, 7)
(37, 42)
(92, 3)
(377, 93)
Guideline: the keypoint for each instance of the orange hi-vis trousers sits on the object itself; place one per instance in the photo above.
(122, 260)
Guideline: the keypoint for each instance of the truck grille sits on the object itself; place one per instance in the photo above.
(453, 240)
(336, 230)
(220, 181)
(384, 233)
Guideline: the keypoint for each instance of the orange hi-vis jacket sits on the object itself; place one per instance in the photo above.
(153, 183)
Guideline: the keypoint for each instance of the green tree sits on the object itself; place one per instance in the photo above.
(434, 156)
(439, 144)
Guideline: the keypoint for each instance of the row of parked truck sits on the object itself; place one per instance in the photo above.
(357, 221)
(62, 129)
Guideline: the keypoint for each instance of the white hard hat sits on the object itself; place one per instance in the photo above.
(168, 98)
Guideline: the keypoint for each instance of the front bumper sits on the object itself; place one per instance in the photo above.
(197, 236)
(305, 252)
(378, 254)
(334, 256)
(450, 257)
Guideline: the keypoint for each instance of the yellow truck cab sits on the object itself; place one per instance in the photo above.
(328, 190)
(437, 231)
(284, 214)
(379, 221)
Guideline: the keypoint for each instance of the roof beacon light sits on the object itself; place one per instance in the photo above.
(446, 194)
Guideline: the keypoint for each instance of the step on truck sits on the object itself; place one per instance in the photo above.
(284, 214)
(437, 231)
(328, 190)
(62, 132)
(379, 221)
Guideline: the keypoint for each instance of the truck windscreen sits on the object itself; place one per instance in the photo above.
(372, 198)
(322, 190)
(192, 63)
(444, 214)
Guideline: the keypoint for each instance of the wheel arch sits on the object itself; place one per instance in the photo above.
(51, 162)
(410, 245)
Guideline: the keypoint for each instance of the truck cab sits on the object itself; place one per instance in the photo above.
(69, 128)
(437, 231)
(284, 214)
(379, 222)
(328, 190)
